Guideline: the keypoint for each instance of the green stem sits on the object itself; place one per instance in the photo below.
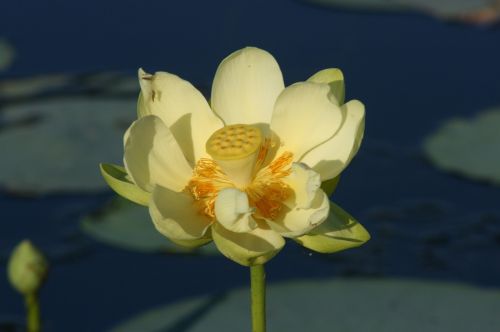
(33, 313)
(258, 290)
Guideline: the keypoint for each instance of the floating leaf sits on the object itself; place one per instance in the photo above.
(33, 86)
(470, 147)
(335, 305)
(128, 226)
(57, 144)
(125, 85)
(484, 11)
(111, 84)
(6, 54)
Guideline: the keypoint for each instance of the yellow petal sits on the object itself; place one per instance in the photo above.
(152, 156)
(142, 110)
(340, 231)
(304, 117)
(246, 86)
(191, 244)
(252, 248)
(203, 125)
(331, 157)
(233, 211)
(176, 102)
(295, 222)
(334, 78)
(175, 216)
(304, 183)
(117, 178)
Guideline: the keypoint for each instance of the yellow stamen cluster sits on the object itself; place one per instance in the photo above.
(238, 153)
(267, 191)
(208, 179)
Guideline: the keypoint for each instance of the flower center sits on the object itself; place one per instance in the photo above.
(238, 152)
(235, 148)
(234, 142)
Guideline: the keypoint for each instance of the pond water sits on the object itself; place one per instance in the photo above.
(411, 71)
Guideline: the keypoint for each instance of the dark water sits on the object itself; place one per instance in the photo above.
(412, 72)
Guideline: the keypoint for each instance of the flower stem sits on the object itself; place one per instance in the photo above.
(258, 290)
(33, 313)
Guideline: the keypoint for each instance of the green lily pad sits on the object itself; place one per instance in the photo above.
(470, 147)
(31, 86)
(124, 85)
(112, 82)
(109, 84)
(128, 226)
(7, 54)
(335, 305)
(56, 145)
(441, 8)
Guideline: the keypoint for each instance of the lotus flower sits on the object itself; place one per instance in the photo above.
(246, 170)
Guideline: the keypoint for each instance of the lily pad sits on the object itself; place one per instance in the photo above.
(470, 147)
(335, 305)
(128, 226)
(109, 84)
(32, 86)
(449, 9)
(112, 82)
(126, 85)
(7, 54)
(56, 145)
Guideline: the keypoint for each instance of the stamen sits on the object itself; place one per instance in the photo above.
(234, 166)
(264, 150)
(278, 166)
(208, 179)
(267, 192)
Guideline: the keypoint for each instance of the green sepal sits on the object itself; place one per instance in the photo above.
(338, 232)
(117, 178)
(335, 78)
(329, 186)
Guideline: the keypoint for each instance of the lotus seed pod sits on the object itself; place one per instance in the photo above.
(235, 148)
(234, 142)
(27, 268)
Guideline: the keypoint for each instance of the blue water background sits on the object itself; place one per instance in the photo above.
(411, 71)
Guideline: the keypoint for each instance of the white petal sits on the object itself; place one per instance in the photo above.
(252, 248)
(305, 116)
(152, 156)
(233, 211)
(203, 125)
(176, 101)
(335, 79)
(331, 157)
(246, 86)
(142, 109)
(175, 215)
(304, 182)
(296, 222)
